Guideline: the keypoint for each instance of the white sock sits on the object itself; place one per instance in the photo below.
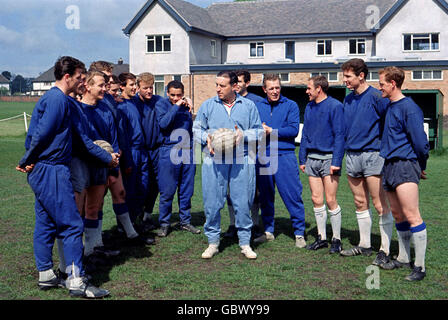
(62, 265)
(365, 225)
(99, 235)
(386, 223)
(89, 240)
(46, 275)
(418, 235)
(321, 221)
(336, 219)
(125, 221)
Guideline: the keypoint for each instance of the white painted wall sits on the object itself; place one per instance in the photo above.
(158, 21)
(39, 86)
(305, 51)
(417, 16)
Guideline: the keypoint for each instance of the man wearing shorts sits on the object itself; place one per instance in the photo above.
(364, 111)
(320, 157)
(405, 148)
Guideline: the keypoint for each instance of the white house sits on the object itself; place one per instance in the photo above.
(296, 38)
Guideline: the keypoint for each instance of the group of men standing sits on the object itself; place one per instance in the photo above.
(152, 141)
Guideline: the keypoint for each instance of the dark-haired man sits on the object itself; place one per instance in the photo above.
(320, 157)
(176, 168)
(48, 154)
(220, 174)
(364, 111)
(244, 79)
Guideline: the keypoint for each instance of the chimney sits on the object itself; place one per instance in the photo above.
(120, 61)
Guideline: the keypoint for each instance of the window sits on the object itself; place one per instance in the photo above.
(158, 43)
(159, 85)
(357, 46)
(332, 76)
(373, 76)
(177, 77)
(213, 48)
(421, 42)
(290, 50)
(427, 75)
(324, 47)
(256, 49)
(284, 77)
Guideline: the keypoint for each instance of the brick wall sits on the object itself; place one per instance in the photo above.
(19, 98)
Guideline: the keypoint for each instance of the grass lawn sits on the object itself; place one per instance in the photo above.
(173, 268)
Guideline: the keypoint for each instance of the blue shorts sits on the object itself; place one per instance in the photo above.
(396, 172)
(97, 175)
(80, 175)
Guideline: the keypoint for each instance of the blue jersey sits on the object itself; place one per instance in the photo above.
(49, 136)
(101, 123)
(172, 117)
(131, 123)
(150, 126)
(323, 130)
(403, 136)
(283, 116)
(83, 146)
(364, 117)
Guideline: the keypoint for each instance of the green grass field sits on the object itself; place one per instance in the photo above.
(173, 268)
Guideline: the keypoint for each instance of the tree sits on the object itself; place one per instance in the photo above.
(18, 85)
(7, 75)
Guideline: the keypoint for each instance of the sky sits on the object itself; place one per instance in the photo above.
(34, 33)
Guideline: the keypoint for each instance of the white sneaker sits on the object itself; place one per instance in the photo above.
(269, 236)
(300, 242)
(210, 251)
(248, 252)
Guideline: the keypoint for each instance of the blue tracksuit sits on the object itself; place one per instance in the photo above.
(136, 183)
(179, 175)
(239, 177)
(49, 147)
(283, 116)
(122, 137)
(253, 97)
(364, 117)
(152, 142)
(403, 136)
(323, 130)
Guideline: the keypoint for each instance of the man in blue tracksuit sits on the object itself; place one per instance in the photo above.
(47, 161)
(281, 118)
(243, 83)
(320, 157)
(405, 148)
(146, 101)
(364, 111)
(176, 167)
(130, 119)
(219, 173)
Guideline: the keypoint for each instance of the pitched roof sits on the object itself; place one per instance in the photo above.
(272, 17)
(3, 79)
(47, 76)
